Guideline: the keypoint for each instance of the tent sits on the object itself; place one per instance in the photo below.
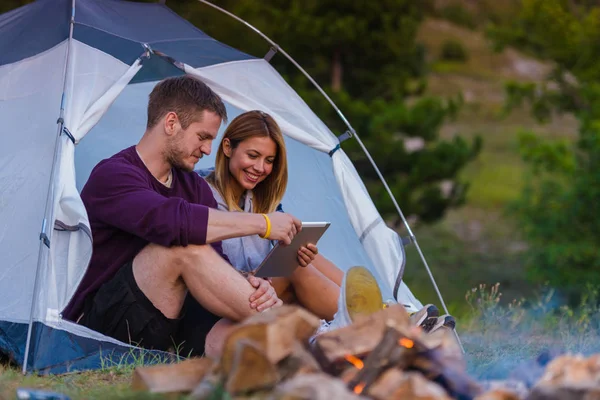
(74, 81)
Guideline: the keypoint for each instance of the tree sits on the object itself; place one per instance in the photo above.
(364, 47)
(559, 207)
(8, 5)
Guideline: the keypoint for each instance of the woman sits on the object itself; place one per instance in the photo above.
(250, 175)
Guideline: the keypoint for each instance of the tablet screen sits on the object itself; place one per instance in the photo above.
(282, 260)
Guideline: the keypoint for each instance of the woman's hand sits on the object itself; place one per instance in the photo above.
(306, 255)
(264, 297)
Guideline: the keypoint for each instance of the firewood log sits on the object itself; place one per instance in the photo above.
(499, 394)
(398, 385)
(387, 353)
(251, 370)
(182, 377)
(358, 339)
(569, 378)
(300, 361)
(313, 387)
(275, 332)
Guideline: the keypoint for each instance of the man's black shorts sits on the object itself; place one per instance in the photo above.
(120, 309)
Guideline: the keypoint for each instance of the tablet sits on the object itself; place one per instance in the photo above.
(282, 260)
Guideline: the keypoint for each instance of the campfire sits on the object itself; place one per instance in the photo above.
(377, 357)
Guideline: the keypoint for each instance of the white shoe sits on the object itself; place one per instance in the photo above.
(359, 295)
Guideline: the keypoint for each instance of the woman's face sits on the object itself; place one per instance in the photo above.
(251, 161)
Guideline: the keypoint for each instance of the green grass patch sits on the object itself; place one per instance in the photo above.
(462, 68)
(111, 383)
(494, 180)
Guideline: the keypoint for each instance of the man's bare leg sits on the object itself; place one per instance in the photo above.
(313, 289)
(166, 274)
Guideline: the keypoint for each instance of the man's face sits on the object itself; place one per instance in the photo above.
(185, 147)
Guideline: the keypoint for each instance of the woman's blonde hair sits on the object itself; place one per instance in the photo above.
(267, 194)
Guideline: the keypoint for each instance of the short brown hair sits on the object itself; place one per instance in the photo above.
(186, 96)
(268, 193)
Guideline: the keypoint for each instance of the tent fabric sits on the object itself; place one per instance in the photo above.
(29, 108)
(18, 41)
(92, 87)
(116, 27)
(104, 95)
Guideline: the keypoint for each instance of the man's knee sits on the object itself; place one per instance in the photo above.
(174, 259)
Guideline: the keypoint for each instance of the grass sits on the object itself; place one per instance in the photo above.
(110, 383)
(112, 380)
(501, 339)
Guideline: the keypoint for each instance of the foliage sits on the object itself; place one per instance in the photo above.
(453, 50)
(371, 42)
(558, 208)
(474, 15)
(458, 14)
(8, 5)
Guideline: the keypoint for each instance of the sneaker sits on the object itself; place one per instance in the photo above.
(446, 321)
(418, 318)
(362, 293)
(359, 295)
(324, 327)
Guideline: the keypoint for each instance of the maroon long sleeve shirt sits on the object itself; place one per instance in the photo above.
(128, 209)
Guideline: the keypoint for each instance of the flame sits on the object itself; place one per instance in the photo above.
(357, 362)
(404, 342)
(359, 388)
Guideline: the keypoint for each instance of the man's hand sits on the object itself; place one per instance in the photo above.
(265, 296)
(307, 254)
(284, 227)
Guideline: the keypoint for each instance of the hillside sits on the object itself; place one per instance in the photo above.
(478, 243)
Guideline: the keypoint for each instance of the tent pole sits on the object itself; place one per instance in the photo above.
(353, 132)
(48, 223)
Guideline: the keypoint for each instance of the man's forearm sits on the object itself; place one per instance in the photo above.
(224, 225)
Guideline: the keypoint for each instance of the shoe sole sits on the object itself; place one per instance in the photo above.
(363, 295)
(450, 322)
(446, 321)
(425, 313)
(429, 324)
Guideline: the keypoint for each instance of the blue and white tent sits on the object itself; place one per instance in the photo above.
(74, 82)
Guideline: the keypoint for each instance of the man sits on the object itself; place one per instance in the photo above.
(157, 232)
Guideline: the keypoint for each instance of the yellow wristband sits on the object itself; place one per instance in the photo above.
(268, 232)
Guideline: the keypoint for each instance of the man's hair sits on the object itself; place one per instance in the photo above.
(185, 96)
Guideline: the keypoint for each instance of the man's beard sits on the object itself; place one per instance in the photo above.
(175, 156)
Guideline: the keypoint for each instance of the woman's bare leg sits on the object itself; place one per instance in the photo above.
(313, 290)
(215, 340)
(329, 269)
